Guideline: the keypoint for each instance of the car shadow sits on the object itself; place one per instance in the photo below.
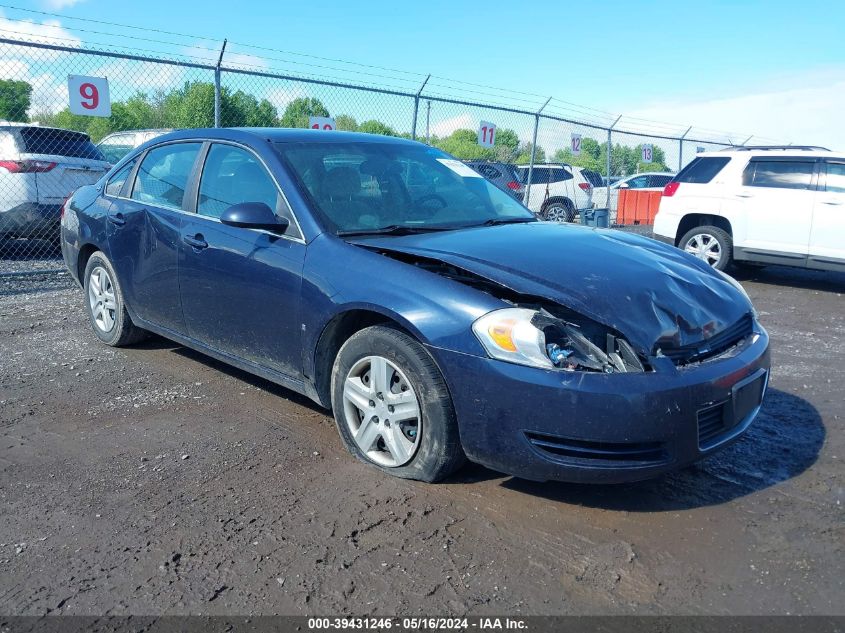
(826, 281)
(782, 443)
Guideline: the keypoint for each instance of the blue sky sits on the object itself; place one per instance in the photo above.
(775, 69)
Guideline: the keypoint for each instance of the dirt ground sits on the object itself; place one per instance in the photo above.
(154, 480)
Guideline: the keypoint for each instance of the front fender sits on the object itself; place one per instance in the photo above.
(339, 277)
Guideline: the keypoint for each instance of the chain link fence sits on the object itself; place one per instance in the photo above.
(46, 152)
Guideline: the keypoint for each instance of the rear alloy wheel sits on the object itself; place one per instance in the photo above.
(392, 407)
(710, 244)
(559, 212)
(104, 302)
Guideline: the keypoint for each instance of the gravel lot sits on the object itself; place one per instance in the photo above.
(154, 480)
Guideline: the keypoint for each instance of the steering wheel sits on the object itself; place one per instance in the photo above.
(431, 196)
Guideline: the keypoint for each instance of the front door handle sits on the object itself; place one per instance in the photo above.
(196, 241)
(117, 219)
(745, 195)
(832, 202)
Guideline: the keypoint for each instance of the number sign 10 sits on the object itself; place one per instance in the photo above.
(321, 123)
(89, 96)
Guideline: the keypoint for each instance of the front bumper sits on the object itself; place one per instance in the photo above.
(602, 428)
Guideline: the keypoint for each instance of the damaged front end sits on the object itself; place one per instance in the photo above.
(534, 336)
(536, 331)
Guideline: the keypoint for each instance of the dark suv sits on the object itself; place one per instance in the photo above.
(503, 175)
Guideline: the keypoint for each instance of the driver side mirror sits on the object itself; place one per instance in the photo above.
(623, 185)
(254, 215)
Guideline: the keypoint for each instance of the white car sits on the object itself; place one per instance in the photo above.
(766, 205)
(558, 192)
(648, 181)
(118, 144)
(39, 168)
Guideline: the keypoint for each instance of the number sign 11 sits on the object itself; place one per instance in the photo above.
(486, 134)
(89, 96)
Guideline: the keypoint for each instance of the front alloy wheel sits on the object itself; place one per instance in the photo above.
(381, 411)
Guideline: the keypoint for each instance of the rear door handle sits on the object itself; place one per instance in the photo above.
(117, 219)
(745, 195)
(197, 241)
(831, 202)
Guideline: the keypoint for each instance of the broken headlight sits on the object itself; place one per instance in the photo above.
(539, 339)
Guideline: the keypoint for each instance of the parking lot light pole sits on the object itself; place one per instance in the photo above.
(217, 86)
(417, 108)
(681, 149)
(609, 150)
(533, 150)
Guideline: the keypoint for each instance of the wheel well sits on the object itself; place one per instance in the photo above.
(82, 261)
(334, 335)
(553, 199)
(701, 219)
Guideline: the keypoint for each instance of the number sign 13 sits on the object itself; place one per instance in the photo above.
(89, 96)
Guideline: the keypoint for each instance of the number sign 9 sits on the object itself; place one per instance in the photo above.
(89, 96)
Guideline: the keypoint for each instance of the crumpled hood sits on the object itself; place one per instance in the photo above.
(653, 294)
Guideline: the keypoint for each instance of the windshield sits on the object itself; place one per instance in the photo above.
(362, 187)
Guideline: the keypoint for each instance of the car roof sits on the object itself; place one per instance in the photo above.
(648, 173)
(283, 135)
(9, 125)
(774, 151)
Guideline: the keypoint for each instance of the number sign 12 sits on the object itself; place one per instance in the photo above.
(486, 134)
(89, 96)
(575, 144)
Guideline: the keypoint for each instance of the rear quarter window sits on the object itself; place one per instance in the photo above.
(702, 170)
(42, 140)
(780, 174)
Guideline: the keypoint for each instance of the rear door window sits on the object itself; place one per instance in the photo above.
(640, 182)
(835, 177)
(781, 174)
(702, 170)
(164, 174)
(45, 140)
(658, 181)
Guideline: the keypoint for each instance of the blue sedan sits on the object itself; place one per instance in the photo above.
(427, 308)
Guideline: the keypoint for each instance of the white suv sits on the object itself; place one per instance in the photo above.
(39, 168)
(767, 205)
(557, 192)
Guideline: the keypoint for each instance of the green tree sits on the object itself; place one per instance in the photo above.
(14, 99)
(346, 123)
(247, 111)
(299, 110)
(463, 143)
(524, 156)
(376, 127)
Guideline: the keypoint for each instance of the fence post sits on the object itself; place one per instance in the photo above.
(533, 152)
(217, 86)
(681, 149)
(417, 109)
(609, 163)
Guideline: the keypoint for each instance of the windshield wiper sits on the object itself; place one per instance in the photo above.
(393, 229)
(498, 221)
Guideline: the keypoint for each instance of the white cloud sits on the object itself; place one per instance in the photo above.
(58, 5)
(47, 32)
(281, 97)
(803, 109)
(127, 78)
(445, 127)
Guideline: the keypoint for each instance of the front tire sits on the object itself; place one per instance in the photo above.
(105, 304)
(710, 244)
(392, 407)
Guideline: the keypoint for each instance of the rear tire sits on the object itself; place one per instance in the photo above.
(105, 304)
(559, 211)
(710, 244)
(379, 373)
